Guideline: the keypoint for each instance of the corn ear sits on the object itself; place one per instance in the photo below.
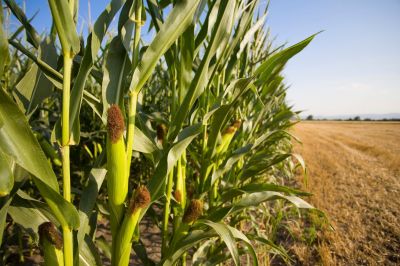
(140, 200)
(117, 177)
(180, 190)
(227, 137)
(192, 214)
(193, 211)
(51, 244)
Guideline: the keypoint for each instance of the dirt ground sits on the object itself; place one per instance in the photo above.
(354, 174)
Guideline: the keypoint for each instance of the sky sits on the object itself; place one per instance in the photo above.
(352, 67)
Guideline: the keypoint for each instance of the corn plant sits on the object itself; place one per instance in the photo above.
(189, 131)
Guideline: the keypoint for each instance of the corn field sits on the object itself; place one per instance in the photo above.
(189, 132)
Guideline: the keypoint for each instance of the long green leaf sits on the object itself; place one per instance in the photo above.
(177, 22)
(3, 44)
(88, 254)
(186, 60)
(34, 87)
(3, 216)
(18, 142)
(189, 241)
(6, 176)
(43, 86)
(225, 233)
(239, 235)
(142, 143)
(254, 187)
(88, 201)
(116, 68)
(31, 34)
(168, 161)
(253, 199)
(29, 213)
(280, 58)
(65, 26)
(220, 35)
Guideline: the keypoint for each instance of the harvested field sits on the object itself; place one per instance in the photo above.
(354, 174)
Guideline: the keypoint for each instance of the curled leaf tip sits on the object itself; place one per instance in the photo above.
(115, 123)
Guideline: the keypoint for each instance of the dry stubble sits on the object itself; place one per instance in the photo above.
(354, 174)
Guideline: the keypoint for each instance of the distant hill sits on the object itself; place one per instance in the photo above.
(388, 116)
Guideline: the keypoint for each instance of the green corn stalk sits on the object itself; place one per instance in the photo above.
(63, 14)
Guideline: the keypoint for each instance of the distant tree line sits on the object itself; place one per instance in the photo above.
(356, 118)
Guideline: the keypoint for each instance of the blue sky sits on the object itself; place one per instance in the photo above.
(353, 67)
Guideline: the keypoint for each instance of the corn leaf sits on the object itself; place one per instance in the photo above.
(88, 254)
(239, 235)
(18, 142)
(3, 44)
(226, 235)
(3, 216)
(277, 249)
(126, 24)
(274, 63)
(6, 176)
(88, 200)
(168, 161)
(116, 68)
(251, 188)
(34, 87)
(254, 199)
(189, 241)
(178, 20)
(186, 60)
(142, 143)
(29, 213)
(220, 34)
(31, 34)
(53, 75)
(65, 26)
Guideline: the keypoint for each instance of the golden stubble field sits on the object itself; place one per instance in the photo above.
(354, 175)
